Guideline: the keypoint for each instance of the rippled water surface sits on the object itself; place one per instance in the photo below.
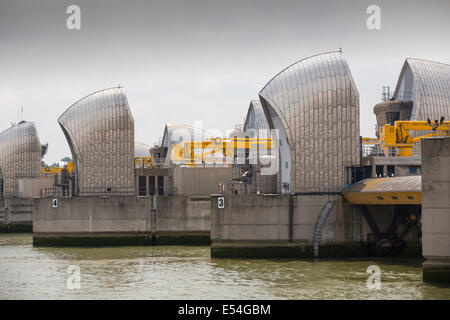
(189, 273)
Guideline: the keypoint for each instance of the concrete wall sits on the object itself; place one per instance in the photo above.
(16, 215)
(391, 161)
(266, 218)
(401, 171)
(198, 181)
(187, 218)
(436, 209)
(260, 225)
(155, 172)
(250, 218)
(121, 220)
(31, 187)
(265, 226)
(91, 214)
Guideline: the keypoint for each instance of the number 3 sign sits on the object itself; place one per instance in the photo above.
(220, 202)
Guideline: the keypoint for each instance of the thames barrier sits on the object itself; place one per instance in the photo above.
(295, 181)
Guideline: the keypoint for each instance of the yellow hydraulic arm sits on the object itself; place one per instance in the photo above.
(192, 152)
(370, 140)
(56, 170)
(398, 135)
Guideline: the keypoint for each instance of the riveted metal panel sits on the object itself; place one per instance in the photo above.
(318, 104)
(20, 156)
(100, 132)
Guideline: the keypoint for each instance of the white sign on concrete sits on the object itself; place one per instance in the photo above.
(55, 203)
(220, 202)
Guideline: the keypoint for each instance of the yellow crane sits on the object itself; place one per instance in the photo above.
(144, 162)
(140, 162)
(55, 170)
(192, 152)
(398, 136)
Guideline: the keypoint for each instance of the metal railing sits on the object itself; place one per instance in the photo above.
(148, 162)
(55, 192)
(161, 163)
(377, 151)
(145, 192)
(240, 187)
(401, 96)
(107, 191)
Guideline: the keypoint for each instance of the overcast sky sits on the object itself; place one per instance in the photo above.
(190, 60)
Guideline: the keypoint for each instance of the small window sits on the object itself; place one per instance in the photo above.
(413, 170)
(380, 198)
(394, 197)
(391, 171)
(410, 197)
(142, 186)
(379, 171)
(391, 117)
(151, 183)
(161, 185)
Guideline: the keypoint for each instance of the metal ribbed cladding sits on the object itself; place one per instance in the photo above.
(318, 104)
(100, 132)
(428, 85)
(256, 124)
(20, 156)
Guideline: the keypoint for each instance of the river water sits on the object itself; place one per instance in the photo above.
(174, 272)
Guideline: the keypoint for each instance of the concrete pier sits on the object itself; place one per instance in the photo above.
(16, 215)
(127, 220)
(284, 226)
(436, 209)
(268, 226)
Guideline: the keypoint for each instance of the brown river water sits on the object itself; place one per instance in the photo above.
(174, 272)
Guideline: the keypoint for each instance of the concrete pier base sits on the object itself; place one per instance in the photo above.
(122, 221)
(436, 209)
(106, 239)
(88, 239)
(436, 271)
(17, 228)
(269, 250)
(183, 238)
(287, 226)
(16, 215)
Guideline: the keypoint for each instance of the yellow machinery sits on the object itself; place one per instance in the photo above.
(397, 136)
(144, 162)
(370, 140)
(55, 170)
(141, 162)
(195, 152)
(393, 190)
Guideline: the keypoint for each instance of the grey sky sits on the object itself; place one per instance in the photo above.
(186, 61)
